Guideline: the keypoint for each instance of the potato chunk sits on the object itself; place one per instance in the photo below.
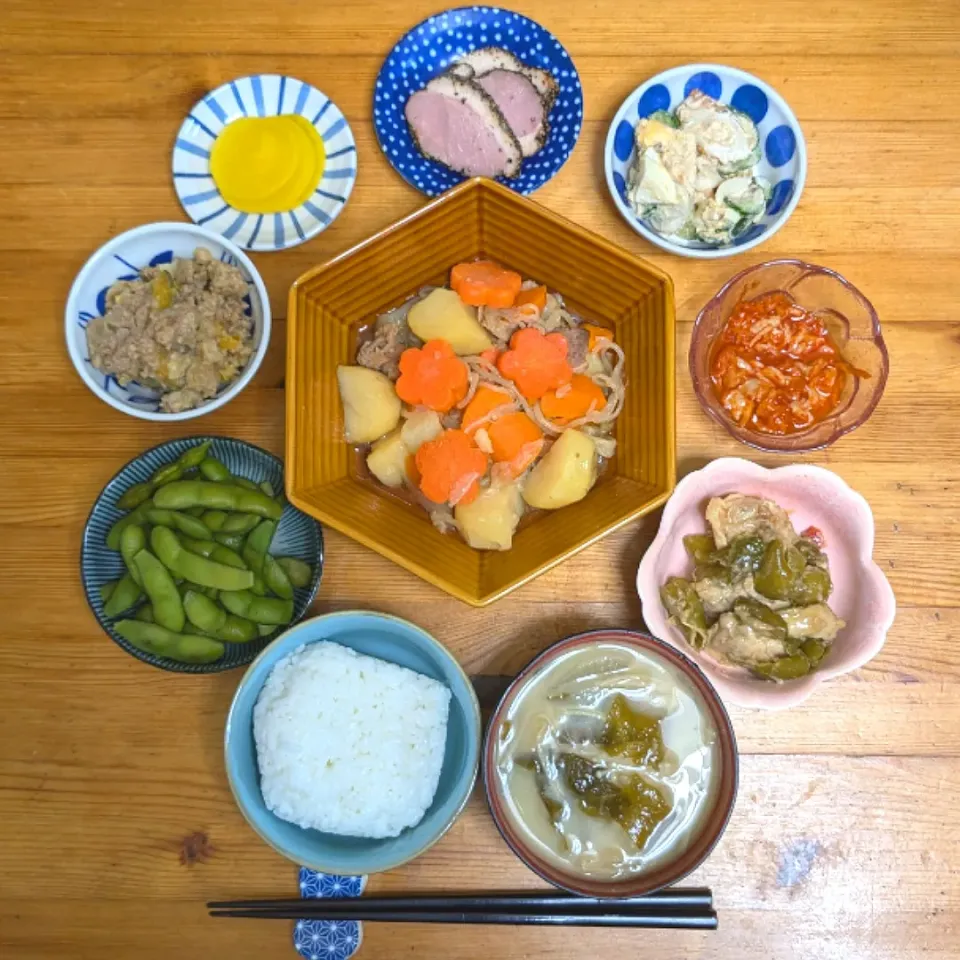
(442, 315)
(371, 406)
(420, 427)
(388, 460)
(565, 474)
(489, 522)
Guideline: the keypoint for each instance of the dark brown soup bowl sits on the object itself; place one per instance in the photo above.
(662, 874)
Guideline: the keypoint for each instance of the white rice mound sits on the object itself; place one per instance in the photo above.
(349, 744)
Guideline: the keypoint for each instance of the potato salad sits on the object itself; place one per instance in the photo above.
(694, 175)
(484, 401)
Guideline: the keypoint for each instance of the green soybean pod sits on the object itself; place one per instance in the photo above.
(232, 540)
(212, 469)
(139, 515)
(259, 587)
(125, 594)
(191, 566)
(236, 601)
(162, 591)
(246, 484)
(190, 526)
(237, 630)
(267, 487)
(265, 629)
(195, 455)
(183, 494)
(166, 474)
(145, 613)
(132, 541)
(202, 612)
(257, 545)
(197, 512)
(214, 519)
(276, 579)
(133, 496)
(270, 610)
(155, 639)
(298, 572)
(239, 523)
(106, 590)
(225, 555)
(194, 631)
(204, 548)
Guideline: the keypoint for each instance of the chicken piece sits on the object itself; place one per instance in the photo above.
(738, 515)
(816, 622)
(744, 644)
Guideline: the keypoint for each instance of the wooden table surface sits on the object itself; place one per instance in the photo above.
(844, 840)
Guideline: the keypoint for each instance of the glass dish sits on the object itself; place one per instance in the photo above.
(852, 322)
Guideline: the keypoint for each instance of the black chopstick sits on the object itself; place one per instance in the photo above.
(676, 899)
(652, 918)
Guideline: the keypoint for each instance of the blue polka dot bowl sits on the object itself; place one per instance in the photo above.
(121, 258)
(783, 160)
(396, 641)
(263, 95)
(431, 48)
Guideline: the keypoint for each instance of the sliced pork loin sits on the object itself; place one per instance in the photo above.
(521, 106)
(457, 123)
(487, 59)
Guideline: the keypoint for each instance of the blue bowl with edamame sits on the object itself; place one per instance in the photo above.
(297, 535)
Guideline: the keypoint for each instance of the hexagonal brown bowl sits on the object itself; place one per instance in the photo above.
(599, 281)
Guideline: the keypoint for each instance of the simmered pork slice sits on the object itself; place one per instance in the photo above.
(457, 123)
(477, 63)
(521, 106)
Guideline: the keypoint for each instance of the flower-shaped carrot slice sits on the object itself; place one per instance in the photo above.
(572, 401)
(536, 363)
(450, 468)
(483, 283)
(484, 402)
(432, 376)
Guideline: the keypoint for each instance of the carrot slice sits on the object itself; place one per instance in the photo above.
(596, 335)
(432, 376)
(484, 401)
(536, 363)
(450, 467)
(537, 296)
(572, 401)
(510, 434)
(483, 283)
(490, 355)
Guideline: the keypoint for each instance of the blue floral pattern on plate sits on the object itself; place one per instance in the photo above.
(783, 163)
(430, 48)
(263, 95)
(328, 939)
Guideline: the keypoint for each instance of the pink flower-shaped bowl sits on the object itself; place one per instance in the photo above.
(814, 497)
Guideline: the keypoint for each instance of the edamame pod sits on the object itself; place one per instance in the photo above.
(214, 519)
(246, 484)
(276, 578)
(145, 613)
(267, 487)
(125, 594)
(202, 612)
(298, 572)
(135, 495)
(259, 587)
(212, 469)
(195, 512)
(216, 496)
(139, 515)
(183, 522)
(239, 523)
(166, 474)
(259, 609)
(257, 545)
(237, 630)
(265, 629)
(195, 568)
(132, 541)
(194, 456)
(155, 639)
(232, 540)
(162, 591)
(106, 590)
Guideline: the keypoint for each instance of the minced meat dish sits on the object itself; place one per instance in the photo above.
(181, 329)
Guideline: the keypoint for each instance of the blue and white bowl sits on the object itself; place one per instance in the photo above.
(430, 48)
(783, 162)
(263, 95)
(120, 259)
(297, 535)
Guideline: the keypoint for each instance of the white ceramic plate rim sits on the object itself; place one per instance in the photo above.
(187, 132)
(718, 253)
(760, 694)
(117, 243)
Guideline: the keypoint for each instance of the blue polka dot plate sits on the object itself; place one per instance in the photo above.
(263, 95)
(783, 159)
(431, 49)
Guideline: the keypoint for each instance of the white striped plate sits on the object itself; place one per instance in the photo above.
(263, 95)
